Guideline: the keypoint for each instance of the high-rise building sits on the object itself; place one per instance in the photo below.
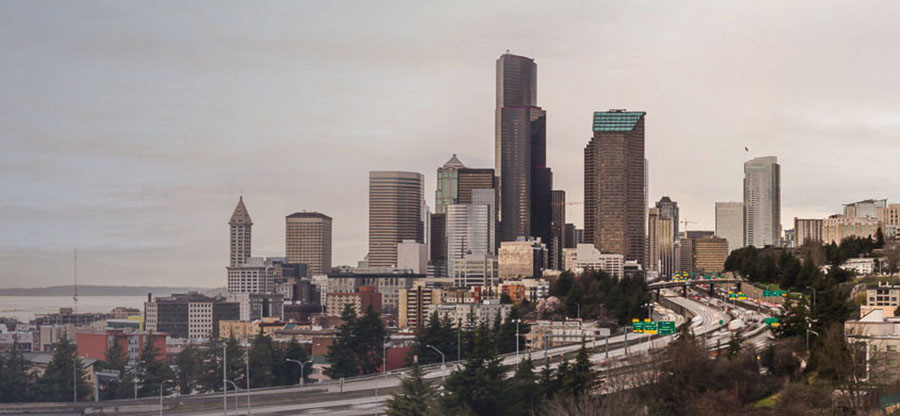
(308, 241)
(488, 197)
(838, 227)
(523, 179)
(189, 315)
(865, 209)
(653, 230)
(587, 257)
(669, 209)
(762, 202)
(471, 179)
(447, 184)
(395, 214)
(710, 254)
(807, 230)
(525, 257)
(438, 245)
(730, 223)
(569, 233)
(468, 232)
(557, 229)
(660, 243)
(614, 202)
(412, 256)
(240, 225)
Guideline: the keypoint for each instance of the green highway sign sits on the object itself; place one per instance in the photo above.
(651, 327)
(774, 293)
(772, 322)
(667, 327)
(637, 326)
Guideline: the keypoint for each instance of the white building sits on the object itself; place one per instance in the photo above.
(486, 311)
(412, 255)
(488, 197)
(475, 270)
(468, 231)
(730, 223)
(552, 333)
(862, 267)
(586, 256)
(257, 275)
(762, 202)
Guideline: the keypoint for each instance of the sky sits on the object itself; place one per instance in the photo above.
(128, 130)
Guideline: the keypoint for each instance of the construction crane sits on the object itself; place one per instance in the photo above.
(685, 222)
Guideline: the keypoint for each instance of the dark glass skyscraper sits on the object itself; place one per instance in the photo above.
(614, 197)
(523, 178)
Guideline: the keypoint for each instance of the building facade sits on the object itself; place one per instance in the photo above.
(360, 301)
(468, 231)
(762, 202)
(557, 229)
(614, 194)
(308, 240)
(446, 192)
(838, 227)
(807, 231)
(730, 223)
(475, 270)
(866, 209)
(412, 255)
(396, 213)
(525, 257)
(587, 257)
(412, 304)
(240, 227)
(189, 315)
(669, 209)
(710, 254)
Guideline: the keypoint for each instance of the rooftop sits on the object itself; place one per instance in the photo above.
(305, 214)
(617, 120)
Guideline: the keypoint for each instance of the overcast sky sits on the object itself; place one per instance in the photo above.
(129, 129)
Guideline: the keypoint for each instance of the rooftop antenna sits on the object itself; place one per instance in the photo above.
(75, 295)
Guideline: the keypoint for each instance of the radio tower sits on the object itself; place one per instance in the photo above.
(75, 296)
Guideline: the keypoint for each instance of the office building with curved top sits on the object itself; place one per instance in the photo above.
(308, 241)
(396, 208)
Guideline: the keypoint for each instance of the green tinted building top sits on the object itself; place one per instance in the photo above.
(617, 120)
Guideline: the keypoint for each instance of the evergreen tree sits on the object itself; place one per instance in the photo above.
(369, 338)
(580, 377)
(236, 361)
(735, 344)
(15, 383)
(522, 393)
(211, 369)
(415, 398)
(476, 388)
(62, 374)
(152, 371)
(190, 369)
(262, 361)
(342, 353)
(115, 360)
(289, 374)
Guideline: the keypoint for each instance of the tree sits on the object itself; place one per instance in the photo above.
(475, 388)
(16, 384)
(190, 369)
(415, 398)
(580, 377)
(63, 374)
(116, 360)
(735, 345)
(262, 361)
(211, 376)
(369, 337)
(522, 392)
(342, 353)
(290, 374)
(152, 371)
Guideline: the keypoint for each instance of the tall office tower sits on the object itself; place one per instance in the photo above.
(241, 226)
(468, 232)
(653, 230)
(438, 245)
(523, 179)
(447, 184)
(762, 202)
(473, 178)
(614, 185)
(730, 223)
(569, 241)
(669, 209)
(395, 214)
(308, 241)
(558, 230)
(488, 197)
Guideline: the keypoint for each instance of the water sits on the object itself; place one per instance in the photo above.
(24, 308)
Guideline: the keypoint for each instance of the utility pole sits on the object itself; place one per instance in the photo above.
(225, 379)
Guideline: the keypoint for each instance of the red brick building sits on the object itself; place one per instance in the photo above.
(94, 343)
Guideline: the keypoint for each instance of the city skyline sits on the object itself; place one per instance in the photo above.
(145, 172)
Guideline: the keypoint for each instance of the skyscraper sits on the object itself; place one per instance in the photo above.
(473, 178)
(523, 179)
(614, 201)
(669, 209)
(558, 229)
(395, 214)
(240, 225)
(660, 243)
(762, 202)
(468, 232)
(730, 223)
(308, 241)
(446, 192)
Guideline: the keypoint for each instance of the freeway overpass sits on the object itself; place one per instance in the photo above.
(684, 284)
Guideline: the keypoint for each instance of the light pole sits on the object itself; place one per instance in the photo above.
(161, 385)
(301, 364)
(235, 393)
(248, 372)
(517, 337)
(443, 365)
(458, 342)
(814, 298)
(136, 377)
(225, 379)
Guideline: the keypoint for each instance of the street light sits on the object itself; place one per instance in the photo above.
(301, 364)
(235, 392)
(517, 321)
(443, 365)
(161, 385)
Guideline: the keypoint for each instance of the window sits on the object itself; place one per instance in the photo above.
(892, 348)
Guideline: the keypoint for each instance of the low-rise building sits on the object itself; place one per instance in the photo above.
(587, 257)
(253, 306)
(413, 303)
(364, 298)
(94, 343)
(245, 331)
(190, 315)
(547, 334)
(387, 282)
(860, 266)
(475, 270)
(486, 311)
(883, 297)
(877, 337)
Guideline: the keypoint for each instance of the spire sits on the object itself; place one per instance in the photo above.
(240, 215)
(454, 163)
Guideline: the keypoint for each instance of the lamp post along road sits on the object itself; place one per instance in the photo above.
(301, 364)
(443, 365)
(225, 379)
(161, 386)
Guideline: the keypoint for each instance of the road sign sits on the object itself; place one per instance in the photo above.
(774, 293)
(637, 326)
(772, 322)
(650, 327)
(667, 327)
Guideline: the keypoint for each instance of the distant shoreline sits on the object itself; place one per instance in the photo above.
(99, 290)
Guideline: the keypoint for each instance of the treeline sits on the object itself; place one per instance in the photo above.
(196, 370)
(597, 295)
(358, 346)
(464, 338)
